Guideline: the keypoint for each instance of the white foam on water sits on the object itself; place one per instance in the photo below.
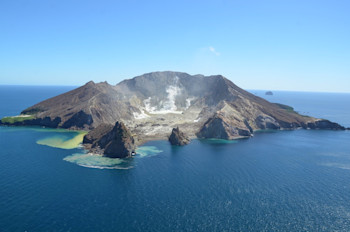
(147, 151)
(91, 160)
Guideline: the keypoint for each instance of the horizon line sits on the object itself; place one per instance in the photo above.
(247, 89)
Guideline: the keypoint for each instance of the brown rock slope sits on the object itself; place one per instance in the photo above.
(178, 138)
(111, 141)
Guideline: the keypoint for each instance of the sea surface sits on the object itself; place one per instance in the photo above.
(276, 181)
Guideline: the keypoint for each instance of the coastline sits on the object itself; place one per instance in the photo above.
(77, 141)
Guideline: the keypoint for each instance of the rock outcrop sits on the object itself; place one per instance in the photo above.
(78, 120)
(111, 141)
(95, 137)
(221, 128)
(51, 122)
(323, 124)
(178, 138)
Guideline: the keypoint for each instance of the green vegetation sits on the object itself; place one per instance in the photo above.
(290, 109)
(14, 119)
(286, 107)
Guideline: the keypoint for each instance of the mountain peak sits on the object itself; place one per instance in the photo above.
(90, 83)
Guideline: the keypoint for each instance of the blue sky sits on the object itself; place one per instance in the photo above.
(278, 45)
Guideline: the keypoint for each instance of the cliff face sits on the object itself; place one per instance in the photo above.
(178, 138)
(221, 128)
(152, 104)
(111, 141)
(323, 125)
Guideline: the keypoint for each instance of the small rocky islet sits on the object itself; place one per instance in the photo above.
(155, 105)
(178, 138)
(111, 141)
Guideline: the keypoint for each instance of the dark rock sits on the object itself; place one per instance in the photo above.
(44, 122)
(94, 136)
(325, 125)
(113, 142)
(178, 138)
(32, 111)
(289, 125)
(219, 128)
(79, 120)
(121, 143)
(266, 122)
(248, 126)
(269, 93)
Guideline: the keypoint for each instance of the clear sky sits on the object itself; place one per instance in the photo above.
(278, 45)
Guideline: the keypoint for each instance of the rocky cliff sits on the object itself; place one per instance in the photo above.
(178, 138)
(111, 141)
(153, 104)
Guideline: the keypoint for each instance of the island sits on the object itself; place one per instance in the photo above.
(155, 105)
(269, 93)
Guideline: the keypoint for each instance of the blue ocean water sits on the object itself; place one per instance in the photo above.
(331, 106)
(277, 181)
(15, 98)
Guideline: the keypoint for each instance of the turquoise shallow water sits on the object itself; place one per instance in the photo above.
(280, 181)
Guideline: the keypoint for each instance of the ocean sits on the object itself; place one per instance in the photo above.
(276, 181)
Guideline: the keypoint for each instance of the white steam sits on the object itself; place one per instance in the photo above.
(168, 105)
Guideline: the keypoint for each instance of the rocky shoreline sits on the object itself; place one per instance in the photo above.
(155, 105)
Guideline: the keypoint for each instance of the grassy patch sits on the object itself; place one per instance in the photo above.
(290, 109)
(14, 119)
(286, 107)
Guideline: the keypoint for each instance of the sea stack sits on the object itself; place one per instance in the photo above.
(178, 138)
(111, 141)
